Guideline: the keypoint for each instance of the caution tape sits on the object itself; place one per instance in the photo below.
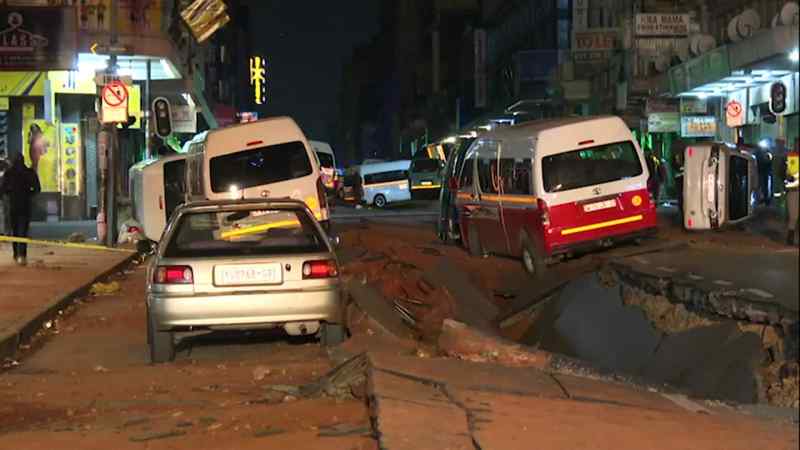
(20, 240)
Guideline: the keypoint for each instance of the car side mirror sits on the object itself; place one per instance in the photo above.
(335, 241)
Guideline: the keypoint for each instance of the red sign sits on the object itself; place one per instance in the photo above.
(733, 114)
(115, 93)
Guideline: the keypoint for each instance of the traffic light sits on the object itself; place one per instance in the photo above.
(163, 117)
(777, 98)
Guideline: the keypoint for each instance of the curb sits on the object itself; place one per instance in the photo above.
(10, 341)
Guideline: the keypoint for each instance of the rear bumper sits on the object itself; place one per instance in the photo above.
(604, 242)
(245, 309)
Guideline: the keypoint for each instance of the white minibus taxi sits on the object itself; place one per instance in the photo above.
(327, 164)
(384, 183)
(157, 189)
(269, 158)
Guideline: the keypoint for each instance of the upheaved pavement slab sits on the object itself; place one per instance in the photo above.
(32, 295)
(473, 308)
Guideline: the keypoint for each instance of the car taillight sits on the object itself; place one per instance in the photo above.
(324, 268)
(173, 275)
(544, 211)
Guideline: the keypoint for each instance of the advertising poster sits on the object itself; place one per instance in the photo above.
(70, 159)
(135, 16)
(40, 147)
(37, 38)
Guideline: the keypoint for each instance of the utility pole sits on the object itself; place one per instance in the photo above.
(113, 142)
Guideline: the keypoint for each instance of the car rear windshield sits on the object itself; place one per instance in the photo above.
(244, 232)
(425, 165)
(259, 166)
(325, 160)
(590, 166)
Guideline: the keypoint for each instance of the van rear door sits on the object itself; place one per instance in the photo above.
(702, 187)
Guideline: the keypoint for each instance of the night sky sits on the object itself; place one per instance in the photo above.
(306, 43)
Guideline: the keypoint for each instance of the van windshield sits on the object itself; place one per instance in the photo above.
(590, 166)
(425, 165)
(259, 166)
(325, 160)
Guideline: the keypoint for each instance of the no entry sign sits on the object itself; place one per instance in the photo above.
(114, 97)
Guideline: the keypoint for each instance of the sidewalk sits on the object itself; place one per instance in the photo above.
(29, 296)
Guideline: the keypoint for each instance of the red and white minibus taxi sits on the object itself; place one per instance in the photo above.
(544, 190)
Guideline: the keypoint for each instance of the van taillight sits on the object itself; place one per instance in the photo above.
(544, 211)
(324, 268)
(173, 275)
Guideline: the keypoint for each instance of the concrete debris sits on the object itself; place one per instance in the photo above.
(342, 380)
(344, 429)
(100, 369)
(156, 435)
(268, 431)
(473, 307)
(260, 372)
(103, 289)
(76, 237)
(461, 341)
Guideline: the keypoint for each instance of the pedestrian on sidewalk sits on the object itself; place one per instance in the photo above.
(20, 183)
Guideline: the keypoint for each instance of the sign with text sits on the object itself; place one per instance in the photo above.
(662, 24)
(184, 119)
(690, 105)
(668, 122)
(661, 105)
(593, 45)
(37, 38)
(698, 126)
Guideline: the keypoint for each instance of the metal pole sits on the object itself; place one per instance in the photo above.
(111, 177)
(146, 113)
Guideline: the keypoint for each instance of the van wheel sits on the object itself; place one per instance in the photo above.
(161, 343)
(379, 201)
(474, 243)
(532, 260)
(332, 334)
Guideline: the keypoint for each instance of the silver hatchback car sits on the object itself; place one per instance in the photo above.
(243, 265)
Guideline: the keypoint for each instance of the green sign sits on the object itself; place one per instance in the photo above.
(707, 68)
(665, 122)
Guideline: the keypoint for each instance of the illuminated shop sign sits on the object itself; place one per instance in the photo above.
(258, 79)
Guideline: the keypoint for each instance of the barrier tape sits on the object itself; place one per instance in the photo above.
(63, 244)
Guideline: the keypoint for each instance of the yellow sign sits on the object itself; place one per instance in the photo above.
(71, 157)
(28, 111)
(22, 84)
(258, 79)
(4, 104)
(40, 148)
(72, 82)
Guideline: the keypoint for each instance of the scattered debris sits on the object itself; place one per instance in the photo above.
(461, 341)
(289, 399)
(268, 431)
(129, 423)
(103, 289)
(206, 421)
(260, 372)
(341, 381)
(156, 435)
(76, 237)
(284, 388)
(345, 429)
(100, 369)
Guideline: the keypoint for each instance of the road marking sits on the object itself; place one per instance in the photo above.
(667, 269)
(723, 282)
(760, 293)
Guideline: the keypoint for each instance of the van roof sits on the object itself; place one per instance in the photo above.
(535, 128)
(322, 147)
(366, 169)
(285, 122)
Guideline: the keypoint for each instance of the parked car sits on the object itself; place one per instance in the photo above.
(720, 185)
(249, 264)
(546, 190)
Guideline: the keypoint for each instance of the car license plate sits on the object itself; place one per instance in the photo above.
(599, 205)
(426, 183)
(248, 274)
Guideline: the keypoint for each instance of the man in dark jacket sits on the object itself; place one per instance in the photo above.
(20, 184)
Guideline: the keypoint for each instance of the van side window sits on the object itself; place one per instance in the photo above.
(466, 173)
(487, 175)
(515, 176)
(385, 177)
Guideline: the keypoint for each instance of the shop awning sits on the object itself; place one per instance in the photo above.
(134, 66)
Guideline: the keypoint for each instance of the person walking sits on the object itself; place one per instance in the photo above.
(20, 183)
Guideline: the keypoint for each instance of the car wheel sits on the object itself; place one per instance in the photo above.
(474, 243)
(379, 201)
(332, 334)
(532, 260)
(161, 343)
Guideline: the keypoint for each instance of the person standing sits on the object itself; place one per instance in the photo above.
(20, 183)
